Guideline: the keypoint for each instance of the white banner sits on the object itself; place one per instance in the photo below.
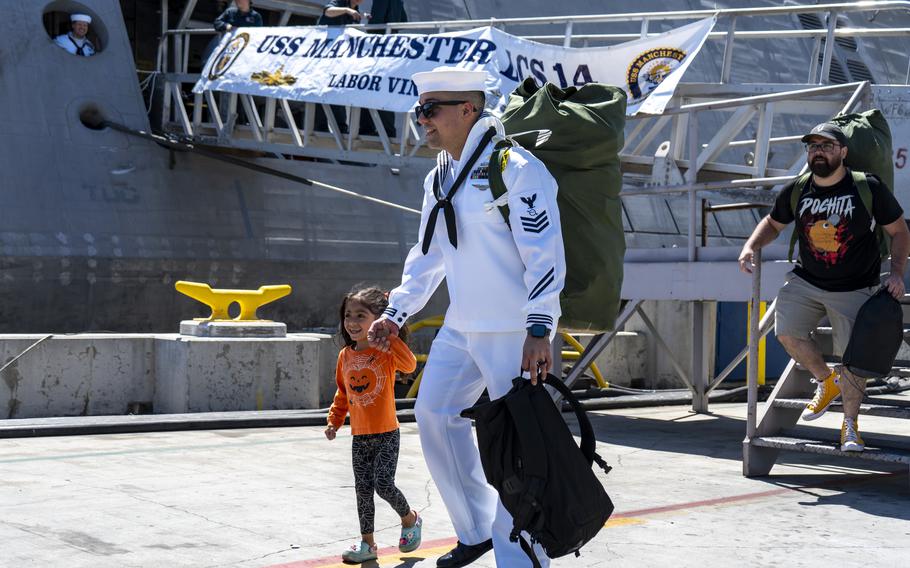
(345, 66)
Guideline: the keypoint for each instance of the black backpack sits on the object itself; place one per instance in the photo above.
(543, 478)
(876, 337)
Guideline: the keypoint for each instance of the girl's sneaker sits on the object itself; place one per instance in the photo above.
(357, 554)
(410, 536)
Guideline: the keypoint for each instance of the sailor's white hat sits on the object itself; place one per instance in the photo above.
(81, 18)
(449, 79)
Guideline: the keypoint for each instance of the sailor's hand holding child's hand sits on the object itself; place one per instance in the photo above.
(380, 334)
(330, 432)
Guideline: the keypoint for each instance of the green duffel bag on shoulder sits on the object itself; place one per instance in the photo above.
(577, 133)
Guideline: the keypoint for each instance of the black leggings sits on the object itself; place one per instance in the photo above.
(375, 459)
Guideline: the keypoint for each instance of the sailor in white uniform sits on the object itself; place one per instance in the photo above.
(76, 41)
(504, 283)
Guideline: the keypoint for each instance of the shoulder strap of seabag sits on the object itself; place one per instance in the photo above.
(798, 188)
(498, 160)
(865, 195)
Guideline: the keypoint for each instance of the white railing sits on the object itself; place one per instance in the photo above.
(202, 117)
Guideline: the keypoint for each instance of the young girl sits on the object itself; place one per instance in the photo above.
(366, 389)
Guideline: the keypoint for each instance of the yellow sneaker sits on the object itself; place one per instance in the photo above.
(826, 392)
(850, 440)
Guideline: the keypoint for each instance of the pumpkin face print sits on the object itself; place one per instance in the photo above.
(359, 383)
(365, 378)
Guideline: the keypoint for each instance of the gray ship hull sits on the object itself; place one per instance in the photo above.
(96, 226)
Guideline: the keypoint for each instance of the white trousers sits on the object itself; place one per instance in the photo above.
(459, 367)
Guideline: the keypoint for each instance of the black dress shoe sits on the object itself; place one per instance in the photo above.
(464, 554)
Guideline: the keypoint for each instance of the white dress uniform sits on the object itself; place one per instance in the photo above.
(73, 45)
(500, 282)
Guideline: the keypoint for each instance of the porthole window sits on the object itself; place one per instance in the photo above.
(74, 28)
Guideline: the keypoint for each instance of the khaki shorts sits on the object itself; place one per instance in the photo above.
(801, 306)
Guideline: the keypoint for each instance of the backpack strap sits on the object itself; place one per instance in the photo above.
(535, 563)
(795, 194)
(588, 441)
(865, 195)
(497, 166)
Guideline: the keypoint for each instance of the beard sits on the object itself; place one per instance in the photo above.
(824, 167)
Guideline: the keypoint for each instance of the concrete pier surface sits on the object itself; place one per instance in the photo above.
(284, 497)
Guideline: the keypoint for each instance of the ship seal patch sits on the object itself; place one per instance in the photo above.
(229, 55)
(649, 70)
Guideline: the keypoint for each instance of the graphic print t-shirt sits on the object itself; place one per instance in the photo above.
(838, 250)
(366, 387)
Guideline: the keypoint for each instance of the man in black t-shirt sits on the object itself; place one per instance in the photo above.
(838, 268)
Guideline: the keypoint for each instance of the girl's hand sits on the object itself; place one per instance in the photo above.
(330, 432)
(379, 334)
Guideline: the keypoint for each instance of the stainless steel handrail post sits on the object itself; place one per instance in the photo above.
(691, 178)
(754, 338)
(829, 48)
(728, 52)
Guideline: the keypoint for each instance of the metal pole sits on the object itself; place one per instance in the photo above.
(692, 175)
(162, 51)
(754, 338)
(813, 60)
(704, 222)
(829, 48)
(697, 371)
(855, 97)
(728, 52)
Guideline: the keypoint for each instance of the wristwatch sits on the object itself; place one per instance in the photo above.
(538, 330)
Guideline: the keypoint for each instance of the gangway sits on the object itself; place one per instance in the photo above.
(721, 138)
(770, 428)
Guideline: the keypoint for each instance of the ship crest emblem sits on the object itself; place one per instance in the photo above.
(276, 78)
(649, 70)
(228, 55)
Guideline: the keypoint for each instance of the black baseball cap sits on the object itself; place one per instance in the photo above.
(827, 130)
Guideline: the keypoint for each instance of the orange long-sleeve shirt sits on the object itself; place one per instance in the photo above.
(366, 387)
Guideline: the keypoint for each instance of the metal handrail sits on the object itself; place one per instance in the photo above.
(650, 16)
(646, 17)
(754, 338)
(437, 321)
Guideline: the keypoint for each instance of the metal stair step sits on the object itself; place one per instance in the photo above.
(900, 368)
(878, 408)
(887, 455)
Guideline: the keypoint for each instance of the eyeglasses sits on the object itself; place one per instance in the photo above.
(826, 147)
(428, 109)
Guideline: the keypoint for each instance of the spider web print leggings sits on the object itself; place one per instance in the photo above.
(375, 459)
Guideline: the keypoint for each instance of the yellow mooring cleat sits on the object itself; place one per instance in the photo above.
(219, 300)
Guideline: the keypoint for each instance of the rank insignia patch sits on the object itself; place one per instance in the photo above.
(533, 221)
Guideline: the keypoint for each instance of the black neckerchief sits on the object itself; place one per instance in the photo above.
(79, 48)
(445, 202)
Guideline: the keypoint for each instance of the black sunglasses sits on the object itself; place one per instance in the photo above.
(428, 109)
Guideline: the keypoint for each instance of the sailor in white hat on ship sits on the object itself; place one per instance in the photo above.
(504, 282)
(76, 41)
